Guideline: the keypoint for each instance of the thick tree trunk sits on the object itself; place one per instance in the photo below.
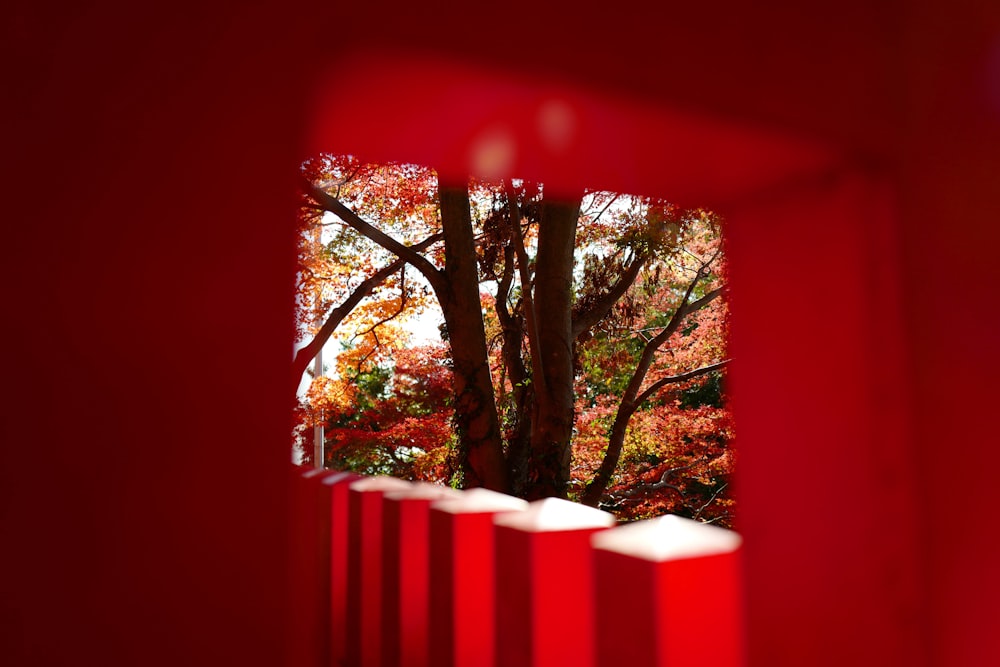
(552, 425)
(457, 290)
(475, 406)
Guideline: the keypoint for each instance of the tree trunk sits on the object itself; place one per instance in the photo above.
(552, 425)
(478, 425)
(517, 414)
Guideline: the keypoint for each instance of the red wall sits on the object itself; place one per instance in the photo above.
(949, 175)
(147, 286)
(147, 283)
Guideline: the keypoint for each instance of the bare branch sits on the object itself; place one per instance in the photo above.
(662, 483)
(710, 501)
(607, 206)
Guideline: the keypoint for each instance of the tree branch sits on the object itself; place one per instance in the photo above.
(695, 306)
(585, 320)
(369, 231)
(697, 515)
(337, 315)
(399, 311)
(674, 379)
(630, 401)
(662, 483)
(527, 300)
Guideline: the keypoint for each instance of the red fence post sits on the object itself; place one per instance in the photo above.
(309, 553)
(364, 584)
(668, 595)
(544, 583)
(336, 519)
(462, 577)
(406, 568)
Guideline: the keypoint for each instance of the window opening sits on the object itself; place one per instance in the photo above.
(493, 333)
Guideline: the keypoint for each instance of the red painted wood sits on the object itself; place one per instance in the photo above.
(152, 162)
(545, 614)
(311, 567)
(364, 567)
(337, 514)
(462, 562)
(406, 578)
(669, 594)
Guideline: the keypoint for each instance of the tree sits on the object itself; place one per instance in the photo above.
(660, 443)
(396, 421)
(565, 270)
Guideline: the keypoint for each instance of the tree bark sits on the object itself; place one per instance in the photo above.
(518, 413)
(552, 425)
(478, 425)
(457, 290)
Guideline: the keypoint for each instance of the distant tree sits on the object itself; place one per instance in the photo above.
(398, 420)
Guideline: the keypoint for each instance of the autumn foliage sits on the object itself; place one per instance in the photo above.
(634, 417)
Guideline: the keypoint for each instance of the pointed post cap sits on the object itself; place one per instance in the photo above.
(667, 538)
(424, 491)
(338, 477)
(556, 514)
(380, 483)
(480, 501)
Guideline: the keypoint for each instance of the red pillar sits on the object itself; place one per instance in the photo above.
(406, 573)
(544, 570)
(462, 574)
(825, 404)
(309, 557)
(669, 595)
(364, 584)
(335, 503)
